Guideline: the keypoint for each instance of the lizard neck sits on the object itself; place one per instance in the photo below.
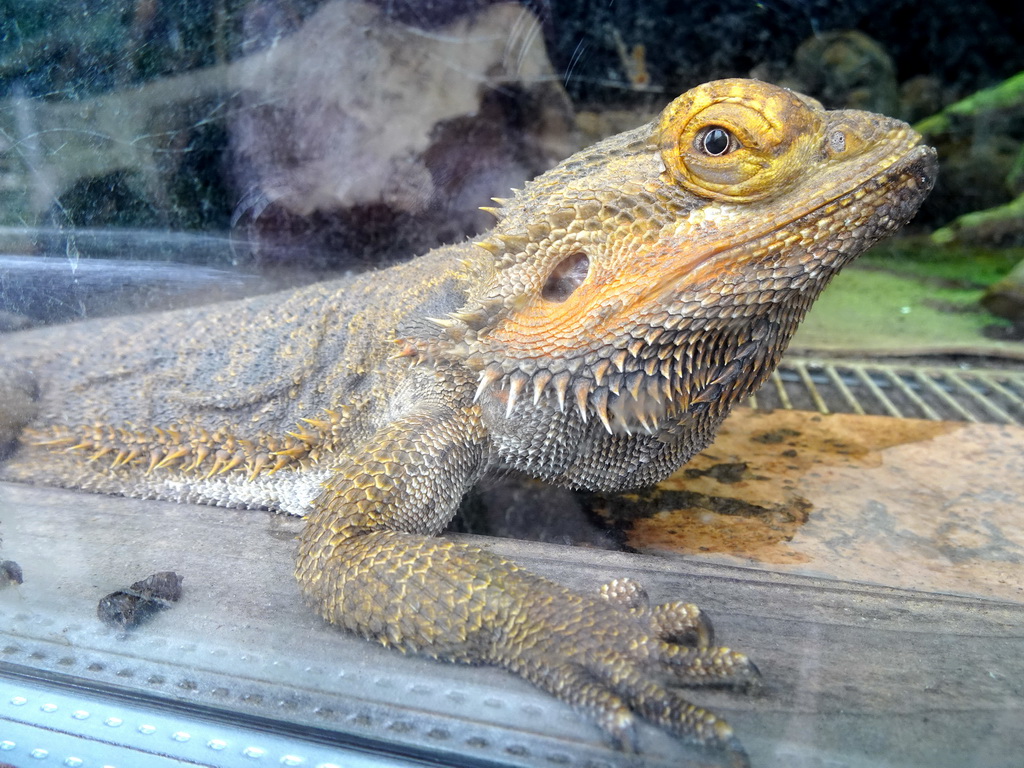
(628, 414)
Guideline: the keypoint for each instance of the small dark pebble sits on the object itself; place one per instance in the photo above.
(775, 436)
(722, 472)
(10, 573)
(127, 608)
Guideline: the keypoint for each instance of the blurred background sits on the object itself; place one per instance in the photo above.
(159, 152)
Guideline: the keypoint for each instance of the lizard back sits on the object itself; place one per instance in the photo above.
(208, 390)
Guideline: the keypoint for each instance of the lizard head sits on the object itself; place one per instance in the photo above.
(663, 271)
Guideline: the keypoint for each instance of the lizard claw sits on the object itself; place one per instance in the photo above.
(614, 704)
(708, 667)
(683, 623)
(616, 658)
(678, 622)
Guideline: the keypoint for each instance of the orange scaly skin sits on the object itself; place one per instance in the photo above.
(596, 338)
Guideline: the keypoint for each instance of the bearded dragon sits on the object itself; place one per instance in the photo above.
(595, 338)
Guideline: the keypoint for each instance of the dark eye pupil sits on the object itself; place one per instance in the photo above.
(716, 141)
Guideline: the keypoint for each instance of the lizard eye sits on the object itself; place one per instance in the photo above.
(566, 277)
(715, 141)
(739, 140)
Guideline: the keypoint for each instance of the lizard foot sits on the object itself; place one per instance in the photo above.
(618, 657)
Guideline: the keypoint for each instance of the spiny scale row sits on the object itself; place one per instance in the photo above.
(195, 450)
(641, 398)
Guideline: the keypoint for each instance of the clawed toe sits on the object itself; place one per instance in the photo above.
(683, 623)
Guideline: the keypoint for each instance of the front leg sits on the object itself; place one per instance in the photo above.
(369, 562)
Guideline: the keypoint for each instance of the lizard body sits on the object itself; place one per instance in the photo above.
(595, 338)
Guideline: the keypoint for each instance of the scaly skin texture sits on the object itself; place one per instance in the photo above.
(596, 338)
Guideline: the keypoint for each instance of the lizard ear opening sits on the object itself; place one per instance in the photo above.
(566, 277)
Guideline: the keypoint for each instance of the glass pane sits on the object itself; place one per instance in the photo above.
(853, 516)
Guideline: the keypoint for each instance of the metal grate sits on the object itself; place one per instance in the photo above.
(940, 393)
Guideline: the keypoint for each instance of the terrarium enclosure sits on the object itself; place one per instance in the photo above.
(857, 528)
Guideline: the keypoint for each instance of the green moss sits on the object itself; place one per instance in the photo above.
(894, 306)
(1009, 93)
(951, 266)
